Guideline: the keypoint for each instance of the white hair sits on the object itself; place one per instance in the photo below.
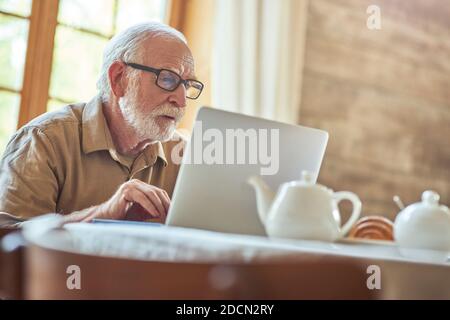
(127, 46)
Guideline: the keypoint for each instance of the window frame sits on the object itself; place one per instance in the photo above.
(39, 58)
(28, 19)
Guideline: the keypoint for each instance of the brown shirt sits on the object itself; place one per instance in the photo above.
(65, 161)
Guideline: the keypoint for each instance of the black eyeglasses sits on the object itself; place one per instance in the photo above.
(169, 80)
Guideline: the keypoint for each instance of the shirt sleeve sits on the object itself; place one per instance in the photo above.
(28, 179)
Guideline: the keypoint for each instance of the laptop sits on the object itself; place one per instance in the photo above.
(225, 149)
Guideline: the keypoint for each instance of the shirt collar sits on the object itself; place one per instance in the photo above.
(96, 135)
(95, 132)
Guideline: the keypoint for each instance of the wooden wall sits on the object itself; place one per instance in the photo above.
(384, 97)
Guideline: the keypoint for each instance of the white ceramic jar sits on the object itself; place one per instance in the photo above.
(424, 225)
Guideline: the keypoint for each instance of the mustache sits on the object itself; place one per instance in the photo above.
(169, 110)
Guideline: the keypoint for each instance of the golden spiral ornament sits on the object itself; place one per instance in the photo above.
(373, 228)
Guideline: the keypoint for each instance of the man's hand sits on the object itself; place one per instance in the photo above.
(128, 199)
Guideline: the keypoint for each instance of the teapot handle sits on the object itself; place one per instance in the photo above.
(346, 195)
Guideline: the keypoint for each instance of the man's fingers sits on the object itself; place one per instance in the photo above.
(158, 197)
(154, 197)
(153, 192)
(165, 199)
(136, 195)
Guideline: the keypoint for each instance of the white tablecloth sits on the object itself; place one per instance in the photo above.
(403, 277)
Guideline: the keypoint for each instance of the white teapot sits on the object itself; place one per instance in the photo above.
(303, 209)
(424, 225)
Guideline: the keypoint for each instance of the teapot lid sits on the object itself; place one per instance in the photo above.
(307, 177)
(307, 180)
(430, 198)
(430, 201)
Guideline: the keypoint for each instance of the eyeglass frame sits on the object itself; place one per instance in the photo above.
(158, 72)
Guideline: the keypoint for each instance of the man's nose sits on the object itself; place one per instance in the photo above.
(178, 97)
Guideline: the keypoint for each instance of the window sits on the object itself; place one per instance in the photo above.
(14, 25)
(83, 27)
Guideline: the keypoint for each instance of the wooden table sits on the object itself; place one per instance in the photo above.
(148, 262)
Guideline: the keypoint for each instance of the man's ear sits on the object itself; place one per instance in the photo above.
(117, 79)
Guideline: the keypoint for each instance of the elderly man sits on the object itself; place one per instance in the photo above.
(109, 158)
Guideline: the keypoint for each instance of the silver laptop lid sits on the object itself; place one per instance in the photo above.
(227, 148)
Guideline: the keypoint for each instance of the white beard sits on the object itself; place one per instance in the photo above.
(148, 126)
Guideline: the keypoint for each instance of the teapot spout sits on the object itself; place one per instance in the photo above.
(264, 197)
